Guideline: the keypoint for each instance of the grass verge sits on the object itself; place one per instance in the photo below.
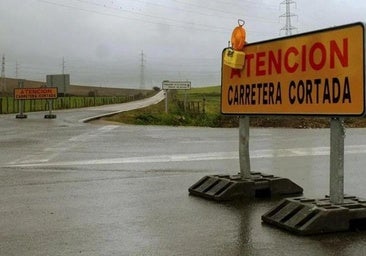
(208, 114)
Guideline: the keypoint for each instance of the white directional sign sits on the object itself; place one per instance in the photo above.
(176, 85)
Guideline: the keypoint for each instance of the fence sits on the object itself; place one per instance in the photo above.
(194, 107)
(9, 105)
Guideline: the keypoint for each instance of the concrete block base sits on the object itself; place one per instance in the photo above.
(50, 116)
(226, 187)
(21, 116)
(305, 216)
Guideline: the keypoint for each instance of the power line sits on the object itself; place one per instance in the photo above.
(180, 24)
(197, 9)
(63, 65)
(142, 69)
(207, 7)
(184, 24)
(181, 65)
(3, 82)
(16, 69)
(161, 20)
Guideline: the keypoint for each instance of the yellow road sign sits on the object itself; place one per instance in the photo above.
(316, 73)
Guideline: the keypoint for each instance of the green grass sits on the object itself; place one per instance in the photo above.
(210, 94)
(155, 115)
(177, 116)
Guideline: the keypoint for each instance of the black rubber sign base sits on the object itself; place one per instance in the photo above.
(21, 116)
(50, 116)
(304, 216)
(226, 187)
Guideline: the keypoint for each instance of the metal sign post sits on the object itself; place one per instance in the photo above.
(185, 100)
(21, 114)
(166, 101)
(50, 115)
(175, 85)
(244, 158)
(337, 135)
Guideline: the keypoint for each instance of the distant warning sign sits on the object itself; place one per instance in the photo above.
(317, 73)
(35, 93)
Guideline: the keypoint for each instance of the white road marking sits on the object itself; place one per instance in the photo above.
(95, 133)
(211, 156)
(47, 154)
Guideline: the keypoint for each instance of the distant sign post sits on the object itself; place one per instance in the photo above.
(175, 85)
(21, 114)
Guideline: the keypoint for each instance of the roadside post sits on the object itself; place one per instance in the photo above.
(175, 85)
(244, 158)
(336, 179)
(21, 114)
(50, 115)
(319, 73)
(166, 101)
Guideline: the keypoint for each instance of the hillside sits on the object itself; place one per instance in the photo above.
(74, 90)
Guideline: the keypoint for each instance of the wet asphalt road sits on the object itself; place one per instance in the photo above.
(69, 188)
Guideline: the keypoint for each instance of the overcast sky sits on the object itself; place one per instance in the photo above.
(102, 42)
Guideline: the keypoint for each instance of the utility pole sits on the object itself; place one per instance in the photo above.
(63, 65)
(288, 28)
(3, 81)
(142, 71)
(16, 69)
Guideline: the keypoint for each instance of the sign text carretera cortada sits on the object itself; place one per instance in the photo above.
(35, 93)
(317, 73)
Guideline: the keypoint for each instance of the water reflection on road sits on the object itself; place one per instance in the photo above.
(123, 190)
